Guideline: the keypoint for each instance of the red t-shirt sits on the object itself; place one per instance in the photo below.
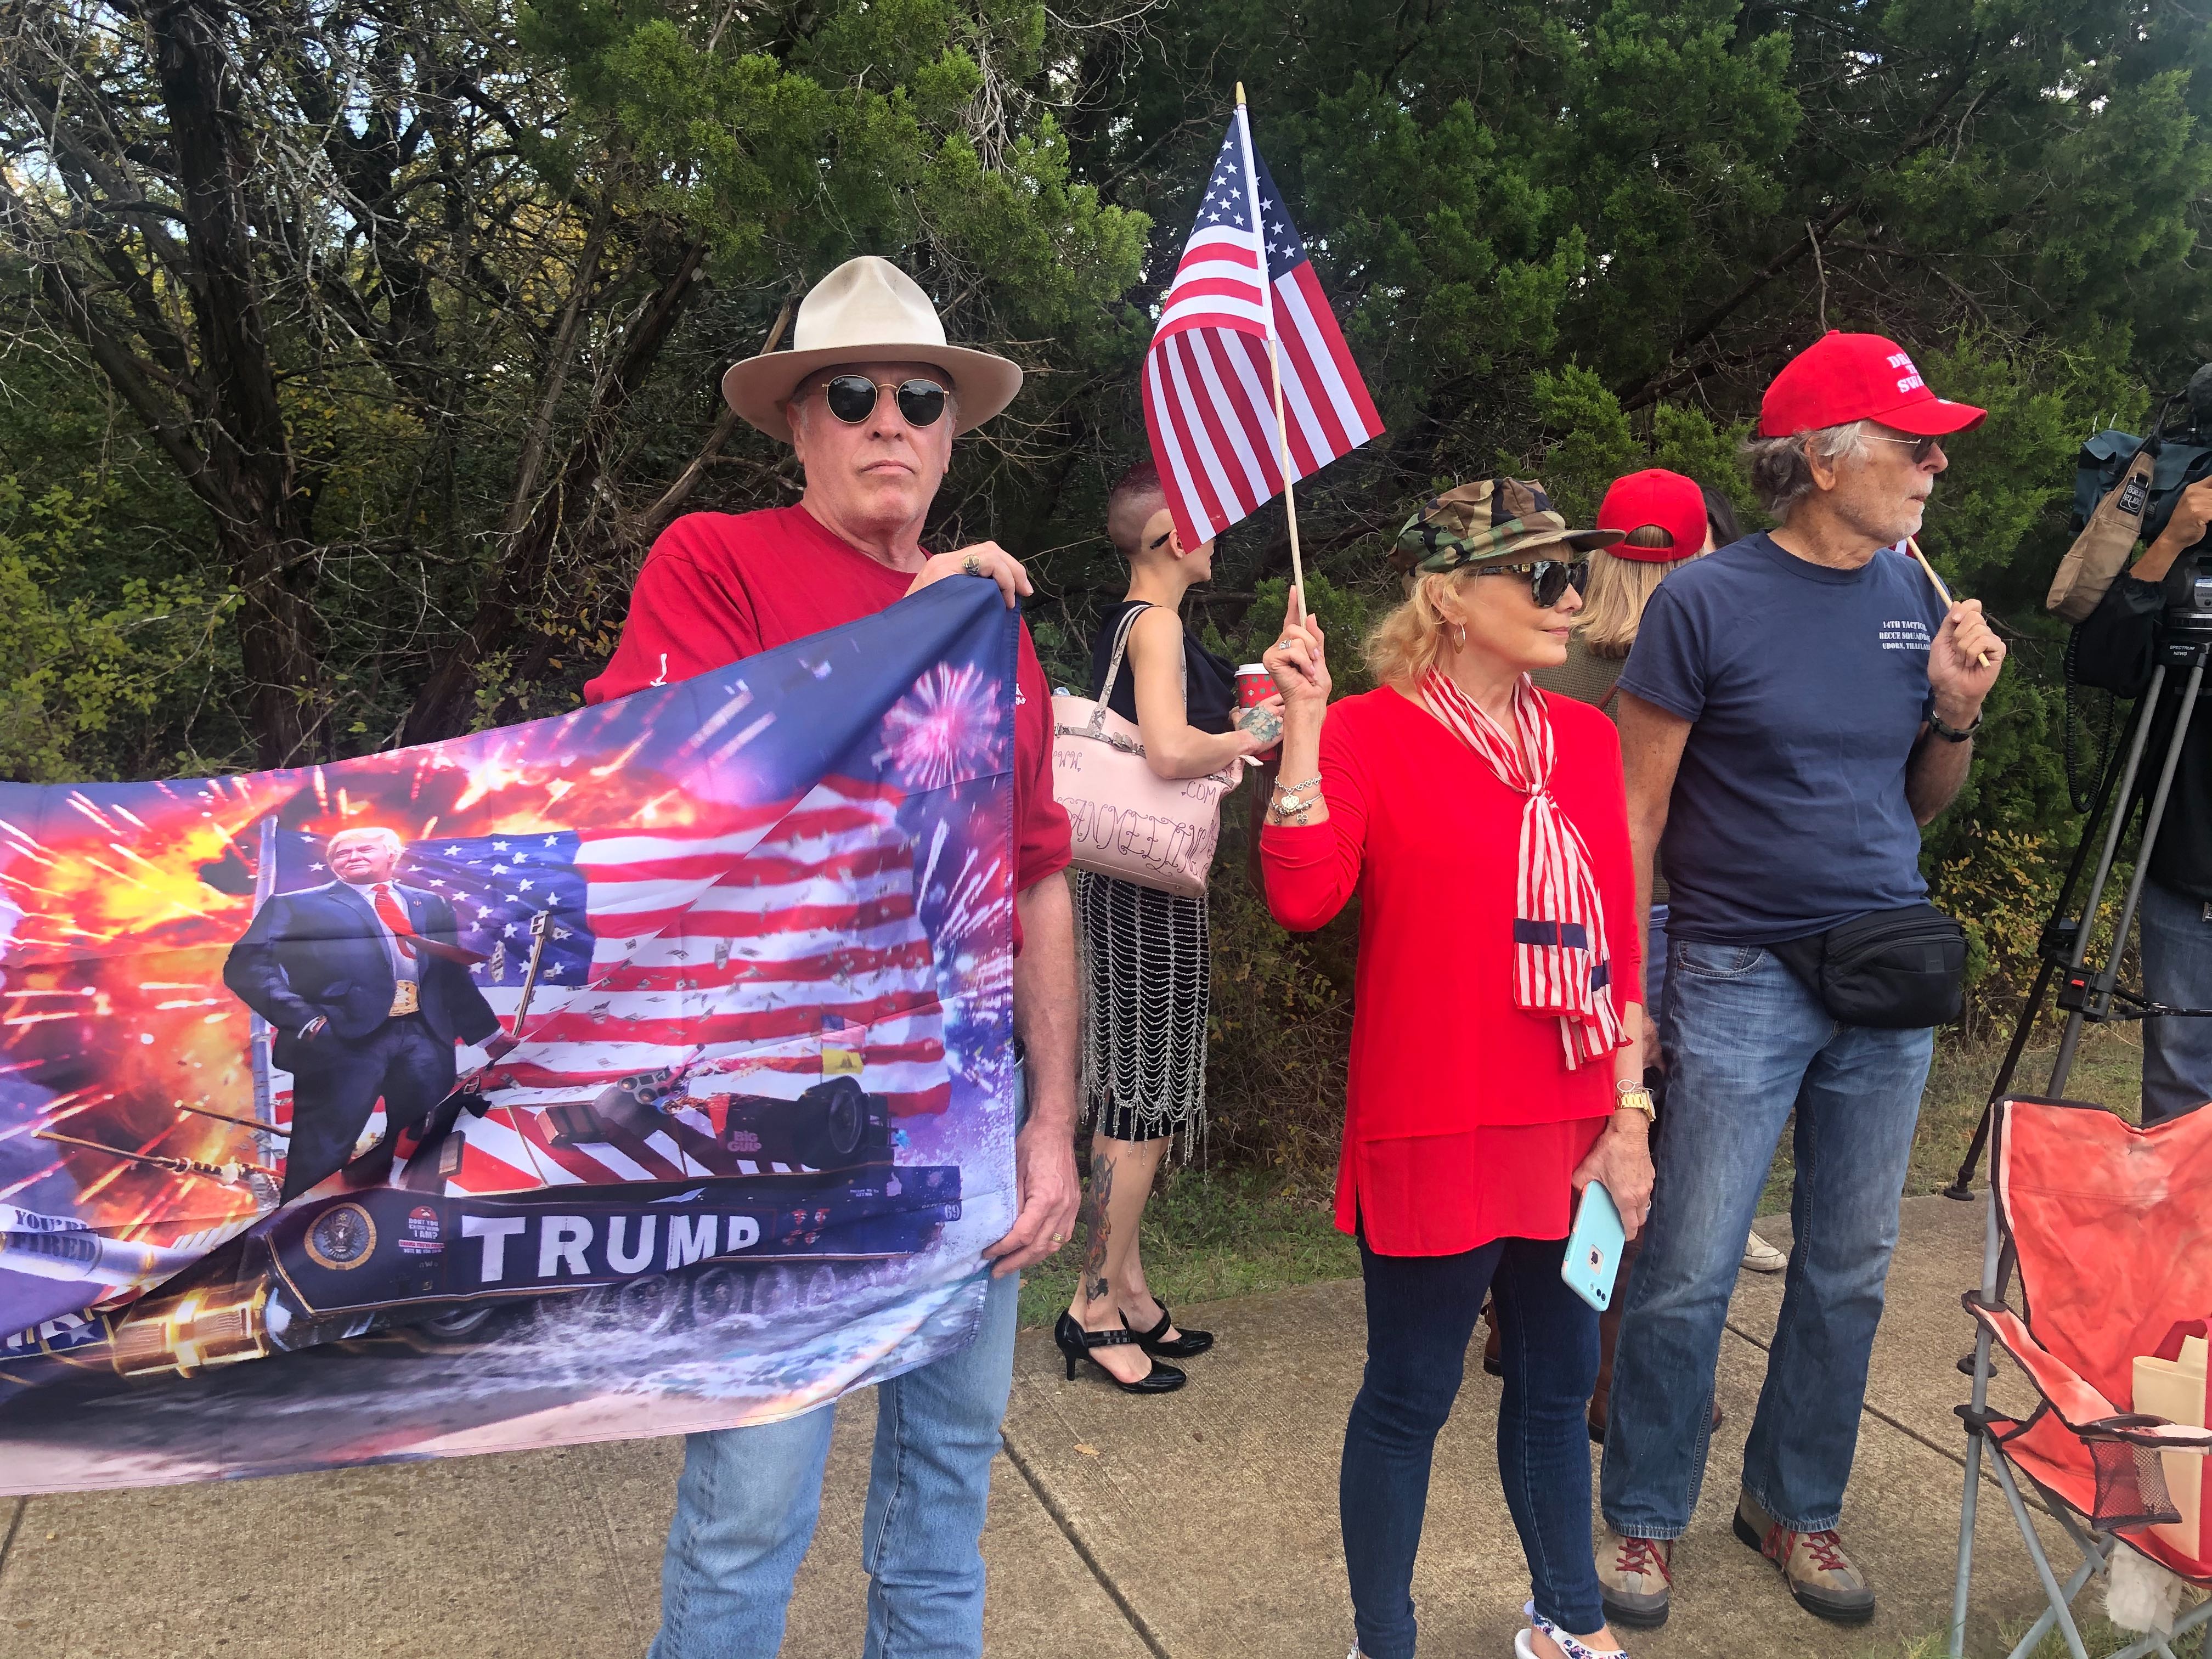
(718, 586)
(1462, 1122)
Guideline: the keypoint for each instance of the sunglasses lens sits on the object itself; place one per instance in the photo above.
(921, 402)
(851, 397)
(1549, 580)
(1922, 450)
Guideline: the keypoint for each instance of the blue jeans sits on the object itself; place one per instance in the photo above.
(748, 1499)
(2176, 966)
(1745, 1043)
(1421, 1311)
(1654, 968)
(746, 1505)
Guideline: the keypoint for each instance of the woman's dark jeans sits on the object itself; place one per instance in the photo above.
(1421, 1312)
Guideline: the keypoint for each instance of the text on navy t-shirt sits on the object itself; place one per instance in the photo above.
(1806, 686)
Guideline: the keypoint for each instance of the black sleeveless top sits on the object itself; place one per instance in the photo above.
(1210, 692)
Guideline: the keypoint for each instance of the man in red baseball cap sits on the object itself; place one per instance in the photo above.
(1796, 705)
(1858, 377)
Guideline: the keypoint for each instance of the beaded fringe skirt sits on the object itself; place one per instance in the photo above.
(1147, 981)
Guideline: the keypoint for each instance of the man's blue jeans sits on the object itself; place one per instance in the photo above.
(1745, 1042)
(746, 1505)
(748, 1499)
(2176, 966)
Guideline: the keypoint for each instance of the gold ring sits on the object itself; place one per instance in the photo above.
(1058, 1241)
(972, 565)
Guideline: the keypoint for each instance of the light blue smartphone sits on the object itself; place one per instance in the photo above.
(1594, 1247)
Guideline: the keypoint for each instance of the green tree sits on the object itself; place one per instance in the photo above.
(404, 324)
(80, 675)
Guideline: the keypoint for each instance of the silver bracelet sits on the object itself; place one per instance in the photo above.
(1286, 800)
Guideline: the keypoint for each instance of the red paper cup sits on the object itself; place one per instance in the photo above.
(1254, 685)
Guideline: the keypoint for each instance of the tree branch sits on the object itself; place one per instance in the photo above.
(724, 423)
(440, 707)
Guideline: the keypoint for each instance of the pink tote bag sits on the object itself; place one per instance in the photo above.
(1128, 821)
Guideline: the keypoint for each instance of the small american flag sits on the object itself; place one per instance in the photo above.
(1209, 402)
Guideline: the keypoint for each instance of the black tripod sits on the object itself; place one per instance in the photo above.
(2185, 647)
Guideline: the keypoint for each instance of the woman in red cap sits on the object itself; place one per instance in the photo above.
(1665, 519)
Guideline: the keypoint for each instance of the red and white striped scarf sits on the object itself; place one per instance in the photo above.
(1561, 964)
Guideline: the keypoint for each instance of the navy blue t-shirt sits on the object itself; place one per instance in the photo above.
(1806, 686)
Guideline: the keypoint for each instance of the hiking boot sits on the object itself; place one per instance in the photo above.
(1633, 1578)
(1821, 1578)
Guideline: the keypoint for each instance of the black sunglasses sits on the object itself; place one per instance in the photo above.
(852, 398)
(1548, 579)
(1923, 448)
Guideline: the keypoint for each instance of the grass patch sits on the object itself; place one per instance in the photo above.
(2099, 1636)
(1218, 1233)
(2107, 1070)
(1210, 1234)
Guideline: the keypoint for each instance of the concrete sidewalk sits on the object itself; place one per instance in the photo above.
(1195, 1526)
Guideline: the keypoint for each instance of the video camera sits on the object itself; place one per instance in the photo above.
(2111, 486)
(2181, 455)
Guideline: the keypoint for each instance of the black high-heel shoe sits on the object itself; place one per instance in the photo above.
(1188, 1346)
(1075, 1343)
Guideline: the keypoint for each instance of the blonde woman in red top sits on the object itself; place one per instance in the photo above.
(1495, 1047)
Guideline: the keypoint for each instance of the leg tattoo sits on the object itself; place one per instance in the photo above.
(1101, 1228)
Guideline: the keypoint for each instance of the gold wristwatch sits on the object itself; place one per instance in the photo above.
(1634, 1097)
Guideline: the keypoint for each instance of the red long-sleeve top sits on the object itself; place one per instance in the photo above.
(1462, 1122)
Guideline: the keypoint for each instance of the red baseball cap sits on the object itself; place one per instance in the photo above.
(1668, 500)
(1858, 377)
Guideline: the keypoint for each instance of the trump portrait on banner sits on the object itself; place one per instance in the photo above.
(366, 993)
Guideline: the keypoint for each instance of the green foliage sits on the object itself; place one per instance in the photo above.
(1565, 238)
(80, 670)
(1213, 1231)
(897, 129)
(1596, 446)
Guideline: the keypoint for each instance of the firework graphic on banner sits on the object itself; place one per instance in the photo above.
(946, 728)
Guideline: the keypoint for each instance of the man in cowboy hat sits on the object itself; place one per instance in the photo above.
(870, 395)
(1795, 707)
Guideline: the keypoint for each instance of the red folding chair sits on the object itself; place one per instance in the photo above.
(2108, 1229)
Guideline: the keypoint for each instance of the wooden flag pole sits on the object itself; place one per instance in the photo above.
(1274, 359)
(1912, 546)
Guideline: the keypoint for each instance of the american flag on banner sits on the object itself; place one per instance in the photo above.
(1209, 401)
(804, 948)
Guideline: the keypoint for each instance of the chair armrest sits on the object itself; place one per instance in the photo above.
(2077, 1404)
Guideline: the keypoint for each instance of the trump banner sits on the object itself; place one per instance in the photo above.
(644, 1070)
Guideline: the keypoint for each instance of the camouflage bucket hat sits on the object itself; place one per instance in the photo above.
(1488, 519)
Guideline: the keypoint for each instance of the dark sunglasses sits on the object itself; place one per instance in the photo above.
(1923, 448)
(1548, 579)
(852, 399)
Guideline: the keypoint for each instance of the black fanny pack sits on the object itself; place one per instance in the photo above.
(1897, 970)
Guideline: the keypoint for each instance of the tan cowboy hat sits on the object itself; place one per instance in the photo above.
(867, 311)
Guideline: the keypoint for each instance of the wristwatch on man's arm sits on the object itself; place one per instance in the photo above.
(1952, 733)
